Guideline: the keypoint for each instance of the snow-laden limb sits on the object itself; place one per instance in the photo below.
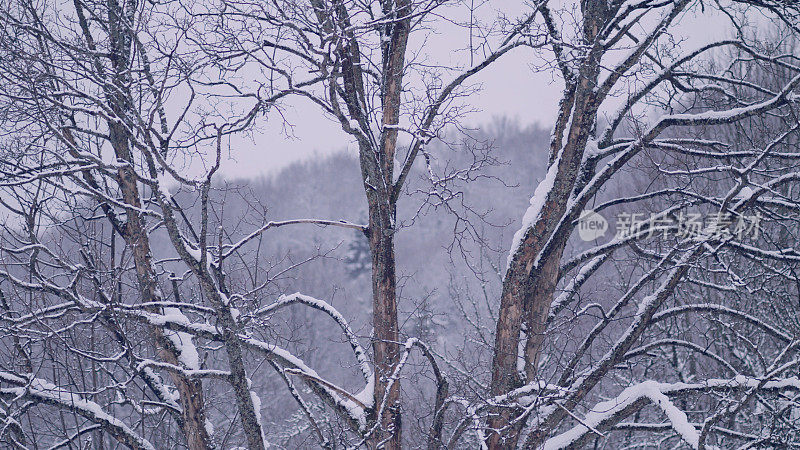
(188, 373)
(524, 397)
(470, 416)
(605, 415)
(337, 397)
(607, 411)
(323, 440)
(184, 347)
(572, 288)
(41, 391)
(533, 213)
(100, 310)
(354, 405)
(327, 308)
(726, 432)
(627, 152)
(230, 249)
(257, 408)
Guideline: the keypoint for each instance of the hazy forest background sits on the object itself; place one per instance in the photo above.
(424, 280)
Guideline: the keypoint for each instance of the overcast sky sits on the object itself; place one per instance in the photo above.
(509, 88)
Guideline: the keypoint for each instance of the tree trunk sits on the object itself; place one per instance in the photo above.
(386, 334)
(120, 20)
(382, 226)
(191, 391)
(532, 275)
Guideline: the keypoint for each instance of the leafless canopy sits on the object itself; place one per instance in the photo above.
(126, 320)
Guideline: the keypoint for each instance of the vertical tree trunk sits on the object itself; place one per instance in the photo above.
(191, 391)
(120, 21)
(382, 212)
(532, 274)
(386, 334)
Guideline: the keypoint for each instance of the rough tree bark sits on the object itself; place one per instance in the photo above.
(378, 175)
(120, 21)
(532, 274)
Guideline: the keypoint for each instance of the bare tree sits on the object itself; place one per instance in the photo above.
(127, 315)
(358, 55)
(91, 139)
(584, 157)
(76, 82)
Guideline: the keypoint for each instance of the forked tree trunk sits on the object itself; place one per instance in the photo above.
(532, 275)
(120, 21)
(190, 391)
(378, 174)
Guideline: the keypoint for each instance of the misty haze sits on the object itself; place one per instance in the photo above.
(399, 224)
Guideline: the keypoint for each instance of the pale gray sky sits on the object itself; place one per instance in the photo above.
(508, 88)
(519, 94)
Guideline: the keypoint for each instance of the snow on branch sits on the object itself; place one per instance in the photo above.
(534, 211)
(329, 392)
(328, 309)
(625, 403)
(229, 250)
(41, 391)
(607, 414)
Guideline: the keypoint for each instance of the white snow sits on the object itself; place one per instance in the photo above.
(209, 427)
(187, 352)
(592, 148)
(165, 182)
(195, 253)
(534, 210)
(605, 410)
(257, 410)
(366, 395)
(256, 405)
(745, 193)
(298, 366)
